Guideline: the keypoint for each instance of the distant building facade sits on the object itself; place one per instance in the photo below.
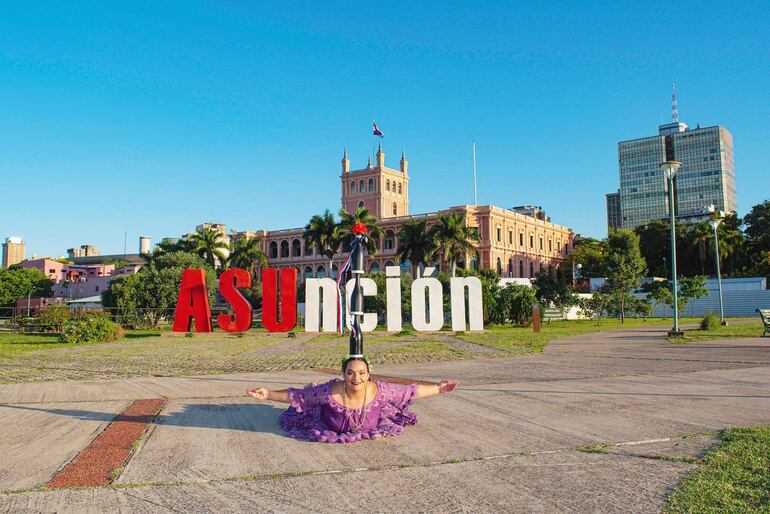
(74, 281)
(706, 176)
(83, 251)
(516, 244)
(613, 210)
(13, 251)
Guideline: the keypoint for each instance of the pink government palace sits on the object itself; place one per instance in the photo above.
(516, 243)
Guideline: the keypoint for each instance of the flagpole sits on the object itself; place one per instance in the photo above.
(475, 198)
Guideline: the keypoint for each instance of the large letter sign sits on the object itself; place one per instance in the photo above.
(193, 302)
(279, 302)
(288, 304)
(229, 283)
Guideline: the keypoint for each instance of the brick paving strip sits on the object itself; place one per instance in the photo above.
(381, 378)
(110, 450)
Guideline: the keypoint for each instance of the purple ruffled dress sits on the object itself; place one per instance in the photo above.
(315, 416)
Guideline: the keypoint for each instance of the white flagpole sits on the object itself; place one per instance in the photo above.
(475, 198)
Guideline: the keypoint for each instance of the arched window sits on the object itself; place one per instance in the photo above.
(499, 266)
(308, 272)
(335, 271)
(499, 233)
(395, 209)
(296, 248)
(387, 185)
(474, 264)
(388, 263)
(406, 266)
(399, 188)
(521, 269)
(550, 245)
(361, 188)
(352, 188)
(510, 267)
(361, 203)
(521, 239)
(371, 185)
(375, 268)
(532, 240)
(284, 249)
(273, 252)
(320, 271)
(510, 237)
(541, 243)
(531, 270)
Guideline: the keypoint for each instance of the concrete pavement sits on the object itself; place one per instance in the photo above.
(508, 439)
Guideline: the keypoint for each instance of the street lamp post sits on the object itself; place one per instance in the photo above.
(715, 224)
(669, 170)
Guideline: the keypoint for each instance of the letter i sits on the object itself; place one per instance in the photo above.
(393, 295)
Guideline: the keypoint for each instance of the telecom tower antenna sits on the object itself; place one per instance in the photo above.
(674, 109)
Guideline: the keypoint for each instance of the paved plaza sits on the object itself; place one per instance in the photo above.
(599, 422)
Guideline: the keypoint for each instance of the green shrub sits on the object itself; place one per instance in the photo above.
(53, 317)
(90, 327)
(710, 322)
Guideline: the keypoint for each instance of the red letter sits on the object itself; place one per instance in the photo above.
(229, 282)
(193, 302)
(288, 305)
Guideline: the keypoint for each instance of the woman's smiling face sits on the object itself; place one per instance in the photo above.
(356, 375)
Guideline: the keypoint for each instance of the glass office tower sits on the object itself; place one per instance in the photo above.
(707, 175)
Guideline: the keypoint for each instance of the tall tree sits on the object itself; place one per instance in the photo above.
(209, 245)
(245, 253)
(452, 239)
(323, 233)
(414, 244)
(17, 282)
(590, 254)
(551, 290)
(362, 215)
(700, 235)
(757, 223)
(624, 268)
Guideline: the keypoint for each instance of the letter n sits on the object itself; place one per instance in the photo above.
(286, 309)
(192, 302)
(475, 308)
(229, 283)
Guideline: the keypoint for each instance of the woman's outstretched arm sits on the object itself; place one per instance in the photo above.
(265, 394)
(425, 391)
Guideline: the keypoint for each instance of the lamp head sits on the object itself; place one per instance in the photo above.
(670, 168)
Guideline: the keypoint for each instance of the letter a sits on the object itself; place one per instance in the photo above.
(288, 304)
(229, 282)
(192, 302)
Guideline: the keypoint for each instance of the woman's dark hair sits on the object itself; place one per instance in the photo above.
(350, 359)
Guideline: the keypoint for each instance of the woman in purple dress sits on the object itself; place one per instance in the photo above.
(349, 410)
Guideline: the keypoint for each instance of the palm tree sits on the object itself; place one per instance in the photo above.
(209, 245)
(245, 253)
(347, 220)
(452, 239)
(699, 235)
(414, 244)
(323, 233)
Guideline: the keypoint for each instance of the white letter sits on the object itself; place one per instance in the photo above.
(393, 294)
(368, 288)
(435, 304)
(329, 287)
(475, 308)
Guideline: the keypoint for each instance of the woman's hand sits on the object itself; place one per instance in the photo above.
(446, 386)
(259, 394)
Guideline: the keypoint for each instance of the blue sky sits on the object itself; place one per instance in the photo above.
(162, 115)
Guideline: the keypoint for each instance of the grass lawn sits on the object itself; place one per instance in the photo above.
(38, 357)
(735, 328)
(734, 476)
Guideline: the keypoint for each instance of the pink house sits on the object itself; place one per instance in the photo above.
(74, 281)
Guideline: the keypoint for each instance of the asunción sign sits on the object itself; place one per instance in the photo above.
(279, 302)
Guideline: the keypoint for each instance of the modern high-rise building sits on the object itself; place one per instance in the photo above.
(706, 177)
(13, 251)
(613, 210)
